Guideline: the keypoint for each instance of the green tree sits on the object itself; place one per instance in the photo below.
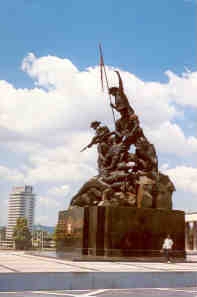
(22, 235)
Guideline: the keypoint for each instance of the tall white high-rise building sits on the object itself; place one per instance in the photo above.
(21, 204)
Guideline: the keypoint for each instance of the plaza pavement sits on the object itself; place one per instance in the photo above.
(21, 262)
(20, 271)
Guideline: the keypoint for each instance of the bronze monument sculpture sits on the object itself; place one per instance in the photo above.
(125, 178)
(126, 210)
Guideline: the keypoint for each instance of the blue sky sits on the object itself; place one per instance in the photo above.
(146, 37)
(140, 37)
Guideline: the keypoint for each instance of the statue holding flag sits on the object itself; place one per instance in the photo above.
(116, 164)
(121, 101)
(127, 207)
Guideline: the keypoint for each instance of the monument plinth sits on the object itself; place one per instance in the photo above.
(120, 231)
(126, 210)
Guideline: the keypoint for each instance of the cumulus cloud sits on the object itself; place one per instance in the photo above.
(49, 124)
(64, 94)
(47, 201)
(183, 88)
(47, 210)
(184, 178)
(170, 138)
(50, 71)
(62, 163)
(59, 191)
(12, 175)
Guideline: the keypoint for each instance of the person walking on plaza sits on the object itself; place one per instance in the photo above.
(167, 247)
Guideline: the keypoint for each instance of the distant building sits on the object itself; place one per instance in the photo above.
(21, 204)
(42, 239)
(191, 231)
(2, 233)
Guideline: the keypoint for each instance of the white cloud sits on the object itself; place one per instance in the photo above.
(12, 175)
(164, 167)
(48, 201)
(50, 71)
(184, 178)
(70, 94)
(61, 191)
(62, 163)
(49, 124)
(47, 210)
(169, 138)
(72, 98)
(183, 88)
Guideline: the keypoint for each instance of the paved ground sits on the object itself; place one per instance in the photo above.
(156, 292)
(19, 262)
(20, 271)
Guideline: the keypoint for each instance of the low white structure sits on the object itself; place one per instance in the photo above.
(191, 231)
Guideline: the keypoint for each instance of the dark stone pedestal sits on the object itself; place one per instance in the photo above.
(120, 231)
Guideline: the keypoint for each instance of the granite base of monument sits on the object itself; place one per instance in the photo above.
(120, 231)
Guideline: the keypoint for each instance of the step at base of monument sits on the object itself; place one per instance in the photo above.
(94, 280)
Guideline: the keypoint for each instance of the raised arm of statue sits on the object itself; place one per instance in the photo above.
(121, 100)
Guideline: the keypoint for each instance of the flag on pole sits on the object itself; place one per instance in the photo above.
(101, 66)
(103, 72)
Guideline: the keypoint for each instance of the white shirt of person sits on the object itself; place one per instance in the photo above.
(168, 243)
